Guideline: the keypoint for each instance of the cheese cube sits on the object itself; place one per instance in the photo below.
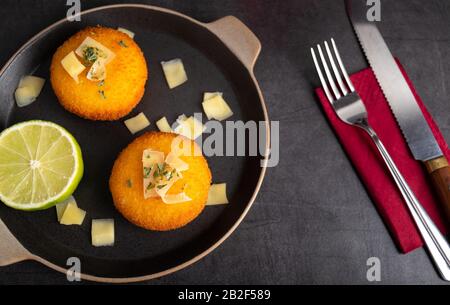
(33, 82)
(208, 95)
(24, 96)
(217, 194)
(102, 232)
(97, 72)
(28, 90)
(61, 207)
(72, 65)
(163, 125)
(98, 50)
(181, 118)
(72, 215)
(174, 72)
(190, 128)
(137, 123)
(173, 160)
(217, 108)
(128, 32)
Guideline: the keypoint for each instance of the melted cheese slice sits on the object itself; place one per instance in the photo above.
(128, 32)
(102, 52)
(153, 185)
(176, 198)
(174, 72)
(150, 159)
(175, 162)
(102, 232)
(72, 65)
(97, 72)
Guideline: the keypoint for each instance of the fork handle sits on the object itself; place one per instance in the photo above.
(434, 240)
(439, 171)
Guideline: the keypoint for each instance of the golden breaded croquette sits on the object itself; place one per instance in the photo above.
(126, 185)
(122, 88)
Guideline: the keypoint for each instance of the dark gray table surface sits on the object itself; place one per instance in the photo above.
(324, 227)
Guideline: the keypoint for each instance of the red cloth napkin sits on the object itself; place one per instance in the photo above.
(370, 165)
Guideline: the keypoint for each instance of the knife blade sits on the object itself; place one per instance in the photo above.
(415, 129)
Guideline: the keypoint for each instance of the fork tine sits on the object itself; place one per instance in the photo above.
(322, 79)
(328, 74)
(335, 70)
(341, 65)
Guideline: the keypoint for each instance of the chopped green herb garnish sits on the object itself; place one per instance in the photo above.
(163, 172)
(168, 175)
(161, 186)
(147, 171)
(102, 94)
(90, 55)
(123, 44)
(150, 186)
(101, 83)
(129, 183)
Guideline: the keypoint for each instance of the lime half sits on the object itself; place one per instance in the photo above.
(40, 165)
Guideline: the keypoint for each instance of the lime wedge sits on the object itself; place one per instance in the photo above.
(40, 165)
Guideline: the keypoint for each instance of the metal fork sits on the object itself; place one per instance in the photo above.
(350, 109)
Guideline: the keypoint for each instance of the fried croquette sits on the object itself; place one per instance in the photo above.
(116, 95)
(126, 184)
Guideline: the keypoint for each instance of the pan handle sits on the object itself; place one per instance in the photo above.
(238, 38)
(11, 250)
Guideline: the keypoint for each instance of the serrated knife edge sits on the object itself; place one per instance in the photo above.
(408, 115)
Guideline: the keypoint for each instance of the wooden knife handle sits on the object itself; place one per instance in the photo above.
(439, 171)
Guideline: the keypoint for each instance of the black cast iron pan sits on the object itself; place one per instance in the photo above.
(218, 56)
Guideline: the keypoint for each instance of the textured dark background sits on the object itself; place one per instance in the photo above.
(313, 222)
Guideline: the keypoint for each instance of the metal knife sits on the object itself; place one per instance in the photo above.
(415, 129)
